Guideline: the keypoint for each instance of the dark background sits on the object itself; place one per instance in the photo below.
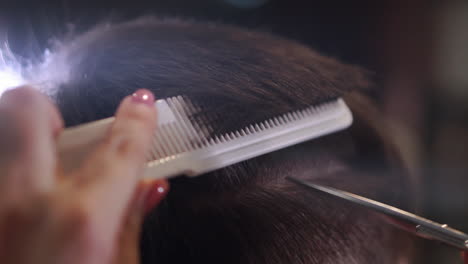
(417, 49)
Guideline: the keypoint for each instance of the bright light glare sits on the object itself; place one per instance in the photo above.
(9, 79)
(10, 69)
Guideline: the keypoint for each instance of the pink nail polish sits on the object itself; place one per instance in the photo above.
(156, 193)
(143, 96)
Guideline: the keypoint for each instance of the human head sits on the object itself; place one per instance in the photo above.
(248, 212)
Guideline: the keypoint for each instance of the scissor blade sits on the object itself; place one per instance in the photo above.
(420, 226)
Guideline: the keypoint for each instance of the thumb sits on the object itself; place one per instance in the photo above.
(148, 195)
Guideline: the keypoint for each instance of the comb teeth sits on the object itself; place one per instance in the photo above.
(180, 135)
(281, 120)
(186, 133)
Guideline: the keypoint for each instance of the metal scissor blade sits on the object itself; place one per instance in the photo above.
(418, 225)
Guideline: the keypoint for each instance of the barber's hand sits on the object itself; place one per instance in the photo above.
(92, 215)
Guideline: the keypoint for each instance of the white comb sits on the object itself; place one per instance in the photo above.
(182, 146)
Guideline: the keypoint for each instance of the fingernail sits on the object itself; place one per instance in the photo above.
(143, 96)
(155, 194)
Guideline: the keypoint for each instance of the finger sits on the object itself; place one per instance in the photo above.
(29, 124)
(127, 245)
(151, 192)
(114, 168)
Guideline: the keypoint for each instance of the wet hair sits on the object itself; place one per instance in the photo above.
(247, 212)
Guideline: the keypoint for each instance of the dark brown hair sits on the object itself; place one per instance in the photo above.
(248, 212)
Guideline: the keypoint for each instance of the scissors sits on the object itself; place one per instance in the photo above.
(412, 223)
